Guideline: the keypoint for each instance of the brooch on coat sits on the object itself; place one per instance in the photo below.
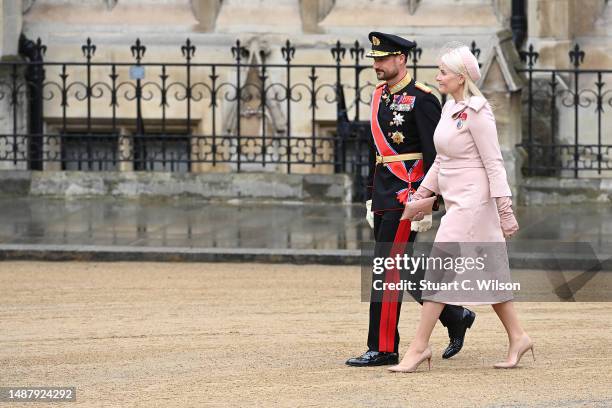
(403, 102)
(397, 137)
(461, 118)
(398, 119)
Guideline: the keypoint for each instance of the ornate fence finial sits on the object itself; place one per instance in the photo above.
(288, 51)
(338, 52)
(188, 50)
(530, 56)
(475, 50)
(138, 50)
(415, 53)
(40, 48)
(356, 52)
(89, 49)
(576, 56)
(239, 52)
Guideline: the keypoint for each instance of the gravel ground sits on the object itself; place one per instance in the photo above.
(236, 335)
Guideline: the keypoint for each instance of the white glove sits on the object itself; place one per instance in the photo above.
(369, 213)
(423, 225)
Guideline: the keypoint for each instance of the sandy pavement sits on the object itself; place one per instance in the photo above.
(238, 335)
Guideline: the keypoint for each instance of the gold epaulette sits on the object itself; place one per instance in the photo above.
(380, 84)
(422, 87)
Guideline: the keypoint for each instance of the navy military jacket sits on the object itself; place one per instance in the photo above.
(408, 114)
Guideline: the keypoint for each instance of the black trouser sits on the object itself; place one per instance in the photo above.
(384, 316)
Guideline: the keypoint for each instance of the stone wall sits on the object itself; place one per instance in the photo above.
(563, 191)
(336, 188)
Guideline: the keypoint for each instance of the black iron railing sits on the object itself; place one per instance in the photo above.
(249, 114)
(567, 127)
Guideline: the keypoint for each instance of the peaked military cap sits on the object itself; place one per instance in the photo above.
(388, 44)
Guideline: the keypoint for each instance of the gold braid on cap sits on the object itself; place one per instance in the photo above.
(377, 53)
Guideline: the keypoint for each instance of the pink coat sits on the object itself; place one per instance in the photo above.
(468, 172)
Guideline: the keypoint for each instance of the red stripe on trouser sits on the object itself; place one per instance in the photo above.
(388, 315)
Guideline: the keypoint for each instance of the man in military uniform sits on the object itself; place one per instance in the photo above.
(404, 116)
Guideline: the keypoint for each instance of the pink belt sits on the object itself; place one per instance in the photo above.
(461, 164)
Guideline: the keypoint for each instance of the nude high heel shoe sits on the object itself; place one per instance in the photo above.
(425, 355)
(526, 345)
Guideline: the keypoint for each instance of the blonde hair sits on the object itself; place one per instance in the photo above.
(459, 59)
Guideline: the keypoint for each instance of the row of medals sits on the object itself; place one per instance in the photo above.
(398, 118)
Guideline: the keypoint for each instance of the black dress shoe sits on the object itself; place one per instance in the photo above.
(457, 334)
(373, 358)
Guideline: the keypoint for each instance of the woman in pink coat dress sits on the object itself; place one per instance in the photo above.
(469, 173)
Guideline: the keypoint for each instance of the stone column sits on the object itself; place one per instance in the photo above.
(259, 16)
(312, 12)
(125, 147)
(502, 86)
(52, 149)
(603, 23)
(13, 149)
(551, 30)
(206, 12)
(10, 27)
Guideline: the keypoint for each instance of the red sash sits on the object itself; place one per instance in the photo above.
(385, 149)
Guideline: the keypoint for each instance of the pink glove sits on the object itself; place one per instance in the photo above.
(421, 193)
(507, 220)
